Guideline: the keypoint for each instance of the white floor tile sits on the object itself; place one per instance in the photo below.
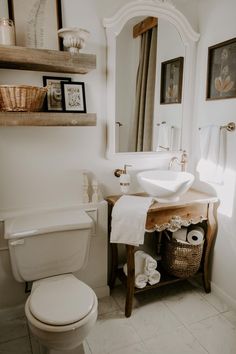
(17, 346)
(137, 348)
(215, 301)
(190, 307)
(152, 319)
(155, 326)
(118, 294)
(11, 328)
(216, 334)
(107, 304)
(111, 332)
(231, 316)
(179, 341)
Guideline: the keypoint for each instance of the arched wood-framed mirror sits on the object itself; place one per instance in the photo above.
(172, 28)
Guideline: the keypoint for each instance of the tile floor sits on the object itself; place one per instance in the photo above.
(177, 319)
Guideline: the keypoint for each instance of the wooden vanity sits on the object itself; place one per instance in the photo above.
(193, 208)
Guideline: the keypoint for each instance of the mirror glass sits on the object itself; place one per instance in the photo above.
(148, 103)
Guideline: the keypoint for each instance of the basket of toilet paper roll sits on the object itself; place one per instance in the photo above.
(182, 252)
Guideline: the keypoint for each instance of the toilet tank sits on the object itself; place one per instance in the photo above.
(48, 243)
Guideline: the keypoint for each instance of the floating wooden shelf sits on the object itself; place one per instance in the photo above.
(47, 119)
(13, 57)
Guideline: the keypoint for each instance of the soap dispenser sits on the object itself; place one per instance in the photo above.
(125, 180)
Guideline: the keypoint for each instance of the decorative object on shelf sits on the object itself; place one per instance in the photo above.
(171, 81)
(73, 97)
(54, 93)
(22, 98)
(7, 32)
(221, 76)
(36, 22)
(73, 38)
(95, 191)
(85, 188)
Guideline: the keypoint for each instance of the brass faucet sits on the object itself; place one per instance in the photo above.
(182, 162)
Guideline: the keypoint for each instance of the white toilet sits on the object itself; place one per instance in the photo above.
(47, 248)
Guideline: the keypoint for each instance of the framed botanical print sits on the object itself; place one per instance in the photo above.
(73, 94)
(54, 93)
(221, 75)
(171, 81)
(36, 23)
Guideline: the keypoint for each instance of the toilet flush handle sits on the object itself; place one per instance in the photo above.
(17, 242)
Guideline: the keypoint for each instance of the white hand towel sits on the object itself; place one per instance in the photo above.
(213, 154)
(148, 264)
(154, 278)
(163, 137)
(128, 220)
(140, 280)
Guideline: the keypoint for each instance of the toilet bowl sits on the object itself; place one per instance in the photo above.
(61, 322)
(46, 249)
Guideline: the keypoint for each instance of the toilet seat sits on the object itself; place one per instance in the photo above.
(60, 300)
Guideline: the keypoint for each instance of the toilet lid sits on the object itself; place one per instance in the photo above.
(61, 300)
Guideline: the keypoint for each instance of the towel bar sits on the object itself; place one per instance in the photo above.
(230, 127)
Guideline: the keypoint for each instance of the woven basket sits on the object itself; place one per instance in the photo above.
(21, 98)
(180, 259)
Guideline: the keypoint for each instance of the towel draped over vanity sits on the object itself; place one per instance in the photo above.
(129, 219)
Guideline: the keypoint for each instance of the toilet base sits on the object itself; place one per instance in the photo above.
(43, 350)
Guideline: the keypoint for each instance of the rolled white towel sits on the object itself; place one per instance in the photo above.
(147, 262)
(140, 280)
(154, 278)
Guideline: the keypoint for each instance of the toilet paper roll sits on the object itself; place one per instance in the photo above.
(180, 235)
(196, 236)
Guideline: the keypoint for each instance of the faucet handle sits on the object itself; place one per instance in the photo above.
(125, 167)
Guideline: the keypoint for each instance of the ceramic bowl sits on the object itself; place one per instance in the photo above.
(73, 38)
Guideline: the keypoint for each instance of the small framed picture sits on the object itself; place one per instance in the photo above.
(73, 97)
(221, 75)
(171, 81)
(54, 94)
(36, 23)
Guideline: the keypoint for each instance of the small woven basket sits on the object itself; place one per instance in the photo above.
(21, 98)
(181, 259)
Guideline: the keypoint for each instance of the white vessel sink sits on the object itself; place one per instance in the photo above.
(165, 185)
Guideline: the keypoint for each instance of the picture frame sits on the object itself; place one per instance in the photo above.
(221, 71)
(54, 96)
(171, 81)
(36, 23)
(73, 94)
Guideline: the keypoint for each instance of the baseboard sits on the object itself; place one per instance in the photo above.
(223, 295)
(102, 291)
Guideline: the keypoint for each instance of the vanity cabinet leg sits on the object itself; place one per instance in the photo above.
(210, 238)
(130, 280)
(114, 265)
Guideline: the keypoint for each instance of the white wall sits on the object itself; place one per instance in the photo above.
(41, 167)
(217, 24)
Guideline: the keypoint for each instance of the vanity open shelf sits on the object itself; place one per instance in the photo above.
(165, 280)
(21, 58)
(47, 119)
(192, 208)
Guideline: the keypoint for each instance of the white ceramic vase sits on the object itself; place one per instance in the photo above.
(73, 38)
